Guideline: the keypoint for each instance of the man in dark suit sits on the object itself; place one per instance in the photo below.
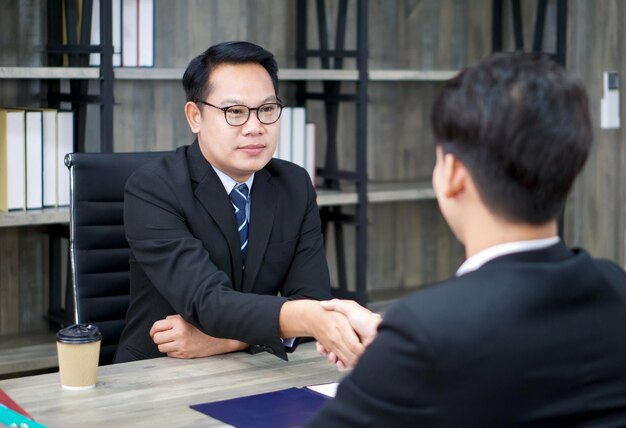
(226, 244)
(528, 332)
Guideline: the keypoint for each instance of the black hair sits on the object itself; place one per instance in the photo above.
(196, 77)
(521, 127)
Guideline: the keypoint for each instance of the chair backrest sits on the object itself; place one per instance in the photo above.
(99, 252)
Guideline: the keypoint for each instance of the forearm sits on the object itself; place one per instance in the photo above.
(224, 346)
(297, 318)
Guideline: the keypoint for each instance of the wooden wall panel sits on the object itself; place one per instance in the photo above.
(23, 280)
(9, 287)
(595, 212)
(31, 279)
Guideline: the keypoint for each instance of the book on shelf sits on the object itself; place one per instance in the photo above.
(298, 136)
(311, 151)
(94, 59)
(283, 151)
(49, 157)
(12, 160)
(137, 33)
(65, 145)
(34, 159)
(146, 33)
(49, 154)
(296, 142)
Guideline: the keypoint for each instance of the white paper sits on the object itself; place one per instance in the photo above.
(327, 389)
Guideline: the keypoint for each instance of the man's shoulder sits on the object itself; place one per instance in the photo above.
(167, 166)
(501, 286)
(611, 270)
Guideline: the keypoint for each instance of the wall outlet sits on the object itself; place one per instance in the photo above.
(609, 104)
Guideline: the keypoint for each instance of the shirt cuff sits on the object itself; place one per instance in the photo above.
(288, 342)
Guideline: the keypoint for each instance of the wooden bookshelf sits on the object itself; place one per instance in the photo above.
(49, 73)
(35, 217)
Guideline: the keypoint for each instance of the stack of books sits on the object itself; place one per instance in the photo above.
(33, 145)
(297, 140)
(133, 33)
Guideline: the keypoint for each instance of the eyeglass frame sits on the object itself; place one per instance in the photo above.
(250, 110)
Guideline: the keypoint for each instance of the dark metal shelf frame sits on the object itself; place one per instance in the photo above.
(332, 96)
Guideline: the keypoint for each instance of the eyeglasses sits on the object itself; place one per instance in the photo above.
(237, 115)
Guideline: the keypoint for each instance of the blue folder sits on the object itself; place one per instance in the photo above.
(285, 408)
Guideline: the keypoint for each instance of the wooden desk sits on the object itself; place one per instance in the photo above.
(158, 392)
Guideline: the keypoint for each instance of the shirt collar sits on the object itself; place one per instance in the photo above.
(480, 258)
(229, 184)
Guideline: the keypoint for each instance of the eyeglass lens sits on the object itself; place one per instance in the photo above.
(266, 113)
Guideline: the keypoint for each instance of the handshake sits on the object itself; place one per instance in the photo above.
(353, 329)
(342, 328)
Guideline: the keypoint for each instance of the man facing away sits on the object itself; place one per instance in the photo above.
(226, 244)
(528, 332)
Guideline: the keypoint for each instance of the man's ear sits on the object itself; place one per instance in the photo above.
(455, 175)
(193, 115)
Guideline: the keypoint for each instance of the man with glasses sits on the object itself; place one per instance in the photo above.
(226, 244)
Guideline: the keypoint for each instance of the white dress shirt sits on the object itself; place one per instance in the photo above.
(229, 184)
(483, 256)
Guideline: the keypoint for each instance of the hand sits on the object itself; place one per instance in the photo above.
(330, 356)
(364, 322)
(332, 330)
(178, 339)
(340, 341)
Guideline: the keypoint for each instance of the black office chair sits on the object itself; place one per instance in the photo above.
(98, 249)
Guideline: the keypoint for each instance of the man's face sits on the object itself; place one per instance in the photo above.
(238, 151)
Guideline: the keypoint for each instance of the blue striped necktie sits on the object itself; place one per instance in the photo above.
(239, 198)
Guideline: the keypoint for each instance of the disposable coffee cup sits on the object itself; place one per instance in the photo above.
(78, 349)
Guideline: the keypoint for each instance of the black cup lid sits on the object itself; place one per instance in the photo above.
(79, 333)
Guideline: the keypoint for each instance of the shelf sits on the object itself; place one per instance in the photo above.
(132, 73)
(336, 197)
(411, 75)
(35, 217)
(138, 73)
(378, 193)
(156, 73)
(22, 353)
(318, 74)
(49, 73)
(398, 192)
(148, 73)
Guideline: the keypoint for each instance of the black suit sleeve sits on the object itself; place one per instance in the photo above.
(182, 271)
(394, 383)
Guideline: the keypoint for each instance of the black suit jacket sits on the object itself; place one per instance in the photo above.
(186, 258)
(529, 339)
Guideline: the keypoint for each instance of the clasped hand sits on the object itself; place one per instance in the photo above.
(362, 321)
(179, 339)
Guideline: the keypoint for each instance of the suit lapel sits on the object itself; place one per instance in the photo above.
(212, 196)
(263, 207)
